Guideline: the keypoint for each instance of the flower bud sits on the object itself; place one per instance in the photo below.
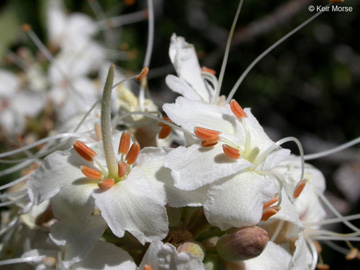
(246, 243)
(193, 248)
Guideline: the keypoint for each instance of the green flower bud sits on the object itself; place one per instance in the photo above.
(246, 243)
(193, 248)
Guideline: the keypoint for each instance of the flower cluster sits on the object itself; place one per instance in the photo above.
(199, 186)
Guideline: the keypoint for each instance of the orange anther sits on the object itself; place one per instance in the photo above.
(106, 183)
(26, 27)
(147, 267)
(164, 132)
(133, 153)
(161, 124)
(129, 2)
(236, 109)
(210, 142)
(84, 151)
(19, 139)
(91, 173)
(321, 266)
(124, 143)
(209, 70)
(271, 202)
(353, 254)
(204, 133)
(142, 74)
(299, 188)
(231, 152)
(122, 168)
(269, 212)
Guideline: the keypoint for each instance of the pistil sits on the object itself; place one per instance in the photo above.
(106, 125)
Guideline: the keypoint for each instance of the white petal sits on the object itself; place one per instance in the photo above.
(184, 59)
(274, 257)
(181, 87)
(29, 103)
(165, 257)
(77, 229)
(134, 205)
(195, 166)
(238, 201)
(9, 84)
(190, 114)
(106, 256)
(151, 162)
(302, 258)
(59, 169)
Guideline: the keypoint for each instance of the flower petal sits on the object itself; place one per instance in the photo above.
(77, 228)
(59, 169)
(165, 257)
(214, 117)
(238, 201)
(274, 257)
(184, 58)
(195, 166)
(181, 87)
(134, 205)
(106, 256)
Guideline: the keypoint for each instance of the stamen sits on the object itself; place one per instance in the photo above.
(237, 110)
(161, 124)
(91, 173)
(26, 27)
(262, 55)
(84, 151)
(98, 134)
(269, 212)
(147, 267)
(106, 183)
(321, 266)
(353, 254)
(133, 153)
(231, 152)
(204, 133)
(210, 142)
(209, 70)
(142, 74)
(122, 168)
(164, 132)
(129, 2)
(299, 188)
(124, 144)
(271, 202)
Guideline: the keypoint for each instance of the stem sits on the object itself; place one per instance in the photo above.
(106, 125)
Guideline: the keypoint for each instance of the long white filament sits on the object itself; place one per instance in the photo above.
(226, 54)
(261, 56)
(148, 53)
(333, 151)
(39, 142)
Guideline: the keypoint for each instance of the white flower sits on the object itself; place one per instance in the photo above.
(16, 104)
(239, 170)
(67, 30)
(189, 82)
(103, 256)
(161, 256)
(135, 202)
